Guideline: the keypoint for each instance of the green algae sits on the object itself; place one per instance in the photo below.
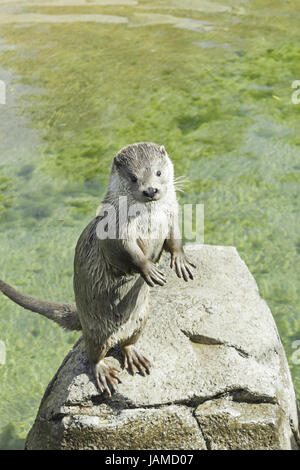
(224, 114)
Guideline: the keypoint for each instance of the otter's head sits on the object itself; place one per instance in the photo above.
(145, 170)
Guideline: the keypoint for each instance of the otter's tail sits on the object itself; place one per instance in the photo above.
(63, 314)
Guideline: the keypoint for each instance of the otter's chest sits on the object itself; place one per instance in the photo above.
(150, 227)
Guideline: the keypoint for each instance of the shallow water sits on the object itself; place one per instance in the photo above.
(212, 81)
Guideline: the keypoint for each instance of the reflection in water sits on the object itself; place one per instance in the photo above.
(56, 19)
(210, 81)
(71, 3)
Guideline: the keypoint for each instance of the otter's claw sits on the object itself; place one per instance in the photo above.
(134, 361)
(106, 377)
(152, 275)
(182, 266)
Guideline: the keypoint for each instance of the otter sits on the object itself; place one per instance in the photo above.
(115, 262)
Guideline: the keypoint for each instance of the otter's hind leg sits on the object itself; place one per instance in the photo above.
(106, 376)
(134, 361)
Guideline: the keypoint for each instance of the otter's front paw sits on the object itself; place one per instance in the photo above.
(182, 265)
(152, 275)
(106, 377)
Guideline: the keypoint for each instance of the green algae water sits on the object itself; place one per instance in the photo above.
(212, 81)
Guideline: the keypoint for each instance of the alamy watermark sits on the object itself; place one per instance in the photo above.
(296, 354)
(124, 220)
(2, 92)
(2, 353)
(295, 94)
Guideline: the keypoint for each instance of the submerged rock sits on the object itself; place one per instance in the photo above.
(220, 378)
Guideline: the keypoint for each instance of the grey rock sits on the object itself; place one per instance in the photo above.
(231, 425)
(220, 378)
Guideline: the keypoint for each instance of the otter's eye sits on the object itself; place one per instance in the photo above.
(134, 179)
(158, 173)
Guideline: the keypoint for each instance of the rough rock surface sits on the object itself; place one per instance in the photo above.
(220, 378)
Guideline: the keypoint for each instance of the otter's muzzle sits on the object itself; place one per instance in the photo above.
(150, 192)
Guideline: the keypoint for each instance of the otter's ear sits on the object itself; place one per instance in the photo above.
(117, 161)
(163, 150)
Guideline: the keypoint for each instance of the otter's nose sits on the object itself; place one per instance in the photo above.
(150, 192)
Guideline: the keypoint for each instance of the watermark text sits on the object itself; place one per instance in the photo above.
(123, 220)
(2, 92)
(2, 353)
